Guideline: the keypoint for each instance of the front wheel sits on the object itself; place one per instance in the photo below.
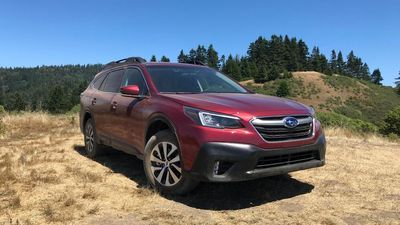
(163, 166)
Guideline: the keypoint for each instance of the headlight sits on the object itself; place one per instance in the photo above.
(209, 119)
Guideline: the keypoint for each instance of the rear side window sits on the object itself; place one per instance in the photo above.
(134, 77)
(113, 81)
(99, 79)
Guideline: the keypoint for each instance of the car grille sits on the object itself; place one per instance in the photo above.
(273, 128)
(286, 159)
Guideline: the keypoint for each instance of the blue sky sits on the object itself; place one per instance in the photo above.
(48, 32)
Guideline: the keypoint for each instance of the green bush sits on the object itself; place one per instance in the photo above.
(391, 123)
(283, 89)
(2, 110)
(2, 127)
(331, 119)
(75, 109)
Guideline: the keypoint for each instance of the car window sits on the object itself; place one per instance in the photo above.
(113, 81)
(134, 77)
(98, 81)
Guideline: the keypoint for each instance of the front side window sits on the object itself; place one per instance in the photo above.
(134, 77)
(113, 81)
(183, 79)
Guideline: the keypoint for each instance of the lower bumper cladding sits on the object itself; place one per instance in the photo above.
(224, 162)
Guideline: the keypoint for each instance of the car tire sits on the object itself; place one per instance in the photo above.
(163, 166)
(92, 146)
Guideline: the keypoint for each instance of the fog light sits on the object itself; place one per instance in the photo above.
(216, 168)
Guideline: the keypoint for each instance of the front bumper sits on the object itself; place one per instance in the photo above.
(238, 162)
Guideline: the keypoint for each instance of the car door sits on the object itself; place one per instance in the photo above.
(103, 104)
(128, 113)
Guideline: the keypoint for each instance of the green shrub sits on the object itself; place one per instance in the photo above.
(283, 89)
(331, 119)
(392, 137)
(75, 109)
(391, 123)
(2, 110)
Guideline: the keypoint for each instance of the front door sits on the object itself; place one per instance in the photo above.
(128, 113)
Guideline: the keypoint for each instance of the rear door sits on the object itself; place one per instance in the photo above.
(103, 104)
(128, 116)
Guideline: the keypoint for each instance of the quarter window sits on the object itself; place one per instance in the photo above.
(97, 82)
(113, 81)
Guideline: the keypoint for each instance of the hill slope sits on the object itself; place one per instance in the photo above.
(351, 97)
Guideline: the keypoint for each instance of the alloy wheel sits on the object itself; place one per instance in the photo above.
(166, 164)
(89, 138)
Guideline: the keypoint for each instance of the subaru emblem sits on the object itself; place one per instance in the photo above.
(290, 122)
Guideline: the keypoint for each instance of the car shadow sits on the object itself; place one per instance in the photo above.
(211, 196)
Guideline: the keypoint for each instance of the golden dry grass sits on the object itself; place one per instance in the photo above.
(46, 179)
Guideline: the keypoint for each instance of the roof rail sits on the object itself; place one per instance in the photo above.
(126, 60)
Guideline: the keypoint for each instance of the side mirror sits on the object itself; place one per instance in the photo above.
(130, 90)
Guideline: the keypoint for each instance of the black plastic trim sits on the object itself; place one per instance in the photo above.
(245, 157)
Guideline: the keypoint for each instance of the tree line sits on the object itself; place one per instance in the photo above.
(57, 88)
(268, 59)
(52, 88)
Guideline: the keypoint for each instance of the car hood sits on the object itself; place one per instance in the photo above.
(240, 104)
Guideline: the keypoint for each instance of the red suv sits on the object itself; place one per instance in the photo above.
(191, 123)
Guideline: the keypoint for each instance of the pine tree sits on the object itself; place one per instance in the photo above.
(283, 89)
(333, 62)
(315, 62)
(17, 103)
(165, 59)
(376, 77)
(222, 61)
(232, 68)
(212, 57)
(182, 57)
(192, 56)
(397, 82)
(153, 58)
(273, 73)
(364, 72)
(57, 102)
(302, 55)
(341, 65)
(261, 76)
(201, 54)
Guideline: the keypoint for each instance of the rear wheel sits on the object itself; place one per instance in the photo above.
(163, 166)
(92, 147)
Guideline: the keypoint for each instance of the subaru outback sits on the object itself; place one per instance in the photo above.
(190, 123)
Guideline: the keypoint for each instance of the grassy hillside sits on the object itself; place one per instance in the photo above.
(344, 95)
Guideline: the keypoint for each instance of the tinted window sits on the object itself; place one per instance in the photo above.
(99, 79)
(134, 77)
(181, 79)
(113, 81)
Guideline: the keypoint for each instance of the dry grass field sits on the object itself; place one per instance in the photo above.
(45, 178)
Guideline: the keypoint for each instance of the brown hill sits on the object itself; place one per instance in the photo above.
(351, 97)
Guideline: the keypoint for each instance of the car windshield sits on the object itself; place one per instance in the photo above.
(193, 80)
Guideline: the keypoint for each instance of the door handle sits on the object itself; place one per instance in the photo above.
(94, 101)
(114, 105)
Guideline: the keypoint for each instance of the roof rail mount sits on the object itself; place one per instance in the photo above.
(126, 60)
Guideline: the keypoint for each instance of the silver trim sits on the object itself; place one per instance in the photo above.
(302, 139)
(279, 122)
